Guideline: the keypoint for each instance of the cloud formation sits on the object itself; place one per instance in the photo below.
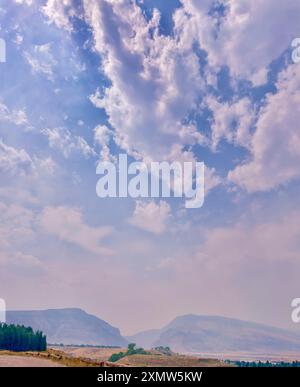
(154, 82)
(205, 80)
(67, 224)
(151, 217)
(62, 139)
(14, 161)
(275, 145)
(246, 36)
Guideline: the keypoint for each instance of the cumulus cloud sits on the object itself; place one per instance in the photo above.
(275, 145)
(68, 225)
(247, 36)
(232, 121)
(60, 12)
(151, 217)
(155, 83)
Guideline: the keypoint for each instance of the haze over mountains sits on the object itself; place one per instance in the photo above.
(69, 326)
(186, 334)
(196, 334)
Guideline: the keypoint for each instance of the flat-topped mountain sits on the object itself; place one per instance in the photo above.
(69, 326)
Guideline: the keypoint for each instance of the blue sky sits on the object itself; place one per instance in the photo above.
(180, 81)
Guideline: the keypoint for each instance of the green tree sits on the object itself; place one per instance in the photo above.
(19, 338)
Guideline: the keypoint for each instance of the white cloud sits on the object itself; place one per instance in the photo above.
(18, 162)
(249, 36)
(275, 145)
(17, 117)
(67, 224)
(59, 12)
(102, 137)
(67, 143)
(232, 121)
(46, 166)
(151, 217)
(155, 83)
(41, 60)
(27, 2)
(14, 161)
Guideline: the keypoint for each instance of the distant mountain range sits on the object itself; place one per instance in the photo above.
(186, 334)
(196, 334)
(69, 326)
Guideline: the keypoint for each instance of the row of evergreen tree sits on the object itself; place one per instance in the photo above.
(19, 338)
(267, 364)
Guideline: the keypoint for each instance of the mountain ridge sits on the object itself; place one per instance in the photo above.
(200, 333)
(189, 333)
(69, 326)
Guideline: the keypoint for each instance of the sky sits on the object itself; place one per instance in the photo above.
(178, 80)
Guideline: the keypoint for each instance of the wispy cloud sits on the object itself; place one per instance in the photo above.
(67, 224)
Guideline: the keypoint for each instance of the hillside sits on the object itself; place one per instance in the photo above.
(69, 326)
(196, 334)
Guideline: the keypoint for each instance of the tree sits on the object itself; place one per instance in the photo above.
(19, 338)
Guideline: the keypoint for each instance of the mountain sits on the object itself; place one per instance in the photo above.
(196, 334)
(69, 326)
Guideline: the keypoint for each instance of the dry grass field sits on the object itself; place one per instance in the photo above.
(49, 357)
(23, 361)
(98, 357)
(154, 359)
(157, 360)
(98, 354)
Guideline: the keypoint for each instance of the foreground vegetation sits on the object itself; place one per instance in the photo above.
(84, 346)
(267, 364)
(131, 350)
(18, 338)
(93, 357)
